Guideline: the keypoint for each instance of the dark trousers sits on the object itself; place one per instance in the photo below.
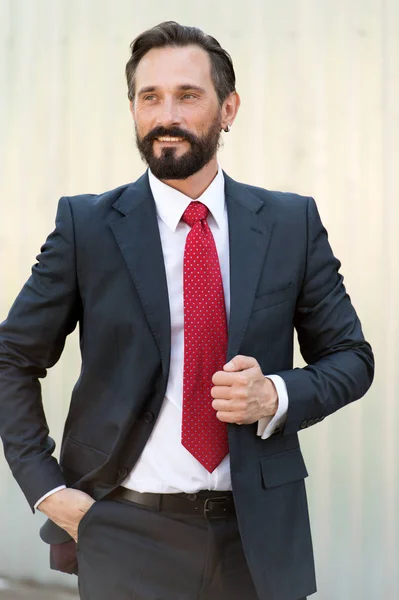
(127, 552)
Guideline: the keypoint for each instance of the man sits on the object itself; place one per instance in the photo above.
(187, 287)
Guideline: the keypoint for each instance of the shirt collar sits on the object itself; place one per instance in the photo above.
(171, 203)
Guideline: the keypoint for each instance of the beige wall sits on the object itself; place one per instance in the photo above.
(319, 83)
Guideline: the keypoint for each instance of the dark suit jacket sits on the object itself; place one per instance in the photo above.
(102, 267)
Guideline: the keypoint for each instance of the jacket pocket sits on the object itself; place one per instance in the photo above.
(273, 297)
(286, 467)
(81, 458)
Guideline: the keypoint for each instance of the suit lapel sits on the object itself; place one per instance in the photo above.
(137, 235)
(249, 238)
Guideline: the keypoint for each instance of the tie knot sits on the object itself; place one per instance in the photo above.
(195, 211)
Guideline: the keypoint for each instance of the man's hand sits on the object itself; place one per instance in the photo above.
(242, 394)
(66, 508)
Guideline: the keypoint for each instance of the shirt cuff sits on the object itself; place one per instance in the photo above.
(57, 489)
(269, 425)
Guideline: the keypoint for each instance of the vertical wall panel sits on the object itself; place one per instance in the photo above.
(319, 82)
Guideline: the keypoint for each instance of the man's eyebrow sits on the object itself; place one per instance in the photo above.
(183, 88)
(188, 86)
(145, 90)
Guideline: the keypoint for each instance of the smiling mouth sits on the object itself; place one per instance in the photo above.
(170, 140)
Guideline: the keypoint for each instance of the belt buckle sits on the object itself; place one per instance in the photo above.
(208, 509)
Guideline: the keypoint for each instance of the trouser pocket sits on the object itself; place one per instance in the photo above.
(84, 520)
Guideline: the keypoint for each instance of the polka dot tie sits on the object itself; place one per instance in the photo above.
(205, 340)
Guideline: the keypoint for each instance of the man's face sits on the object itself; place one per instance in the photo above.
(176, 111)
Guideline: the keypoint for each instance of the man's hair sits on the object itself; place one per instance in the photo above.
(171, 34)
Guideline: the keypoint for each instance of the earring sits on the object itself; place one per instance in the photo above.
(227, 128)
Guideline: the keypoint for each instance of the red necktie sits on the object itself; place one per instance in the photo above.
(205, 340)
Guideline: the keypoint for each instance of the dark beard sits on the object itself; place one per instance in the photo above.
(168, 166)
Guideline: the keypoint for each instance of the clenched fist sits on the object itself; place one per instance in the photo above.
(242, 394)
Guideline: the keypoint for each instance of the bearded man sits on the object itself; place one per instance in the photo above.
(180, 475)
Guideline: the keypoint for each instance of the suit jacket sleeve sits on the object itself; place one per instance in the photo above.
(31, 340)
(339, 361)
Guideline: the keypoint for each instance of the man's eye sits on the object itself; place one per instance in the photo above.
(149, 97)
(188, 96)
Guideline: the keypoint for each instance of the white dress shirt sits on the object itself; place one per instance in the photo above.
(165, 466)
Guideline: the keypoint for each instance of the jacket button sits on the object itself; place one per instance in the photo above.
(312, 422)
(304, 424)
(122, 473)
(148, 417)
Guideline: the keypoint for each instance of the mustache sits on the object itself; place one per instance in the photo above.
(169, 132)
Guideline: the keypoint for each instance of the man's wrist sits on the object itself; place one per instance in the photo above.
(50, 493)
(269, 425)
(271, 398)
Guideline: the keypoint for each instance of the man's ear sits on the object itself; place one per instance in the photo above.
(229, 109)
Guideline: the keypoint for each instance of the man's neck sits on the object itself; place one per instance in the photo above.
(195, 186)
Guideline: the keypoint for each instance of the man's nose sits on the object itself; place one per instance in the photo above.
(169, 114)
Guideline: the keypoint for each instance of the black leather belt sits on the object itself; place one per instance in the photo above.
(210, 504)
